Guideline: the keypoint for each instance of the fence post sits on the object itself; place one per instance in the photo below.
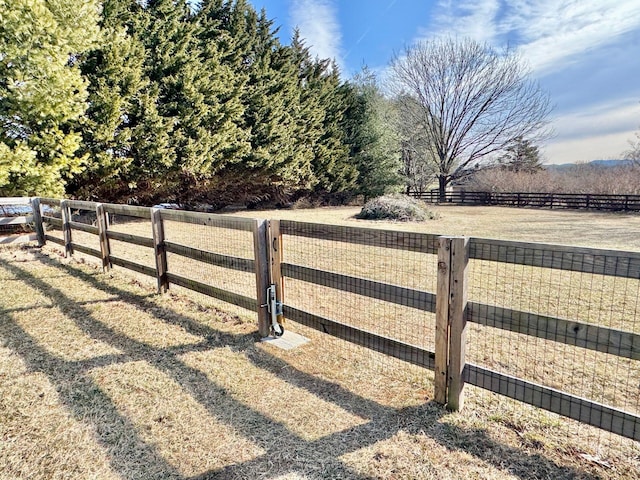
(37, 220)
(102, 236)
(261, 253)
(65, 212)
(159, 251)
(442, 321)
(457, 321)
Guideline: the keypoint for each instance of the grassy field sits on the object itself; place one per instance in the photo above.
(565, 227)
(100, 378)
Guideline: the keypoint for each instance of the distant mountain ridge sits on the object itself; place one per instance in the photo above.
(597, 163)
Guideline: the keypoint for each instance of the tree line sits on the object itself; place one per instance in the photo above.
(142, 101)
(201, 102)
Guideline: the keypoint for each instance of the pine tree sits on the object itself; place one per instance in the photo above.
(521, 156)
(42, 94)
(186, 123)
(116, 85)
(332, 165)
(275, 166)
(371, 130)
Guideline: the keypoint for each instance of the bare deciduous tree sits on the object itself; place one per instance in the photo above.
(472, 102)
(633, 153)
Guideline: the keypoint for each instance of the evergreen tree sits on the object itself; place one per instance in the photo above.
(185, 121)
(332, 166)
(42, 94)
(521, 156)
(371, 128)
(116, 85)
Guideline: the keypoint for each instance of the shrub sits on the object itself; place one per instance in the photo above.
(396, 207)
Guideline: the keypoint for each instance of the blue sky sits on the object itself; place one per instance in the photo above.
(585, 53)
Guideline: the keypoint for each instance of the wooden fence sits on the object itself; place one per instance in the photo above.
(448, 301)
(154, 240)
(16, 212)
(625, 203)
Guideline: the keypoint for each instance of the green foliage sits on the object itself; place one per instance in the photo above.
(396, 207)
(371, 127)
(42, 94)
(116, 84)
(167, 102)
(521, 156)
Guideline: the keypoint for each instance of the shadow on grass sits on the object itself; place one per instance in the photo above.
(285, 452)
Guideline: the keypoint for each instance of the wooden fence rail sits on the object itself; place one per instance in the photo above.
(157, 243)
(591, 201)
(453, 312)
(16, 212)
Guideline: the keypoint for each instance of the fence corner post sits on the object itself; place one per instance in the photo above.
(457, 321)
(159, 250)
(442, 321)
(37, 220)
(261, 253)
(101, 218)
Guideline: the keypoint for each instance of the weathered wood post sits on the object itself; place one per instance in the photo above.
(275, 260)
(101, 218)
(457, 321)
(261, 253)
(65, 212)
(37, 220)
(442, 321)
(451, 328)
(159, 250)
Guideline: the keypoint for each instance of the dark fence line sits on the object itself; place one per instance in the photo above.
(453, 312)
(591, 201)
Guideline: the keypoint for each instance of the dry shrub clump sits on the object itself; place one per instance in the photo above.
(396, 207)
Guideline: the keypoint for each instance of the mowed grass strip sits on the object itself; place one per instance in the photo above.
(173, 422)
(303, 413)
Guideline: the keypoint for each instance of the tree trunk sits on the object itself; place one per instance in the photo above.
(442, 188)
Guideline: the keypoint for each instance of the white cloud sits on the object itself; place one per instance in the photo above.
(607, 118)
(592, 37)
(318, 23)
(596, 132)
(549, 33)
(467, 18)
(553, 33)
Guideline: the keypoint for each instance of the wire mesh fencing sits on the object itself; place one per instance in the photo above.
(549, 326)
(372, 288)
(213, 255)
(129, 239)
(558, 328)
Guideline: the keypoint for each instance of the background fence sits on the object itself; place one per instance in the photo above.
(624, 203)
(551, 326)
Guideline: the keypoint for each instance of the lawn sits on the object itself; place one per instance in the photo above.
(102, 378)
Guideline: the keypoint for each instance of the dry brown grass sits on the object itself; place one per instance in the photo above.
(343, 411)
(565, 227)
(100, 378)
